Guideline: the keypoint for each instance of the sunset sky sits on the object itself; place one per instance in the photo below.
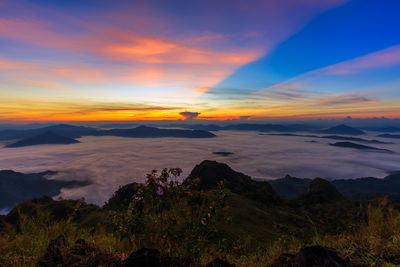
(177, 59)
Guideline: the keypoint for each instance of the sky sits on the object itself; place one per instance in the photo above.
(98, 60)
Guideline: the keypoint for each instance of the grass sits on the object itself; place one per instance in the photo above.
(185, 223)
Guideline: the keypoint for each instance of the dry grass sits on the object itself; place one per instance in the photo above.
(378, 235)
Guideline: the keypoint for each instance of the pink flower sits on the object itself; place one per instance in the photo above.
(203, 221)
(138, 198)
(160, 191)
(209, 215)
(140, 191)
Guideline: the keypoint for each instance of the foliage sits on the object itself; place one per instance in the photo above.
(172, 216)
(379, 234)
(184, 222)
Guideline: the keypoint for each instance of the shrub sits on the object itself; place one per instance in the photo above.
(172, 216)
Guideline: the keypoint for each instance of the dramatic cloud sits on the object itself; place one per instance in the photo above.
(189, 115)
(134, 50)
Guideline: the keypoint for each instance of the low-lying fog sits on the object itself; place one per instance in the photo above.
(113, 161)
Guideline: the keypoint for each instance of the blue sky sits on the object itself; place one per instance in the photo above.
(152, 60)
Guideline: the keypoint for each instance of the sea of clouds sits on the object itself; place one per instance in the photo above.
(113, 161)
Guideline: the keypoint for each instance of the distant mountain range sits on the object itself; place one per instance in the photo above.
(242, 127)
(387, 129)
(145, 131)
(43, 139)
(65, 134)
(16, 187)
(333, 137)
(339, 129)
(64, 130)
(358, 146)
(361, 188)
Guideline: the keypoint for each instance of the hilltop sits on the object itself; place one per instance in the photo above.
(217, 215)
(342, 129)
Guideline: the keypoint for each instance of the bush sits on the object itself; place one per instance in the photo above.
(172, 216)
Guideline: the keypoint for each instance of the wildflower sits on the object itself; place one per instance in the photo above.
(203, 221)
(160, 191)
(137, 198)
(140, 191)
(209, 215)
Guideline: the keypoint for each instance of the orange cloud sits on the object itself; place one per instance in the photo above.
(117, 44)
(24, 109)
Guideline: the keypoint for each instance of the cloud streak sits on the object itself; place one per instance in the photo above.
(380, 59)
(347, 99)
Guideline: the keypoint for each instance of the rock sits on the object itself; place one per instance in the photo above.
(285, 259)
(309, 256)
(312, 256)
(217, 262)
(144, 257)
(82, 248)
(58, 253)
(55, 252)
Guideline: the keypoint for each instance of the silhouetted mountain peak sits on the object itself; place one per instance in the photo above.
(321, 191)
(211, 173)
(343, 129)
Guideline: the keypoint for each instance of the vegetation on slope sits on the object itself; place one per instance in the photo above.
(190, 227)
